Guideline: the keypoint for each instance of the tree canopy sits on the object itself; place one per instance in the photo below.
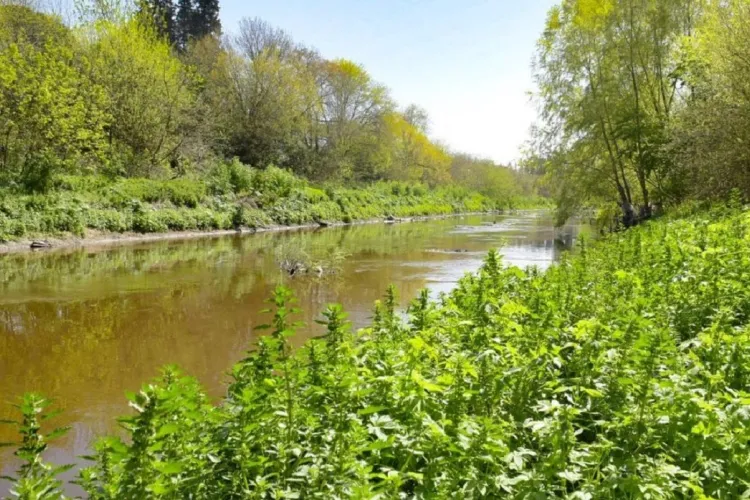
(644, 102)
(156, 91)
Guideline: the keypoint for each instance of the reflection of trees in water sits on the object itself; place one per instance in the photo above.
(26, 271)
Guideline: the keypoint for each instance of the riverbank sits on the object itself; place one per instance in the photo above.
(618, 371)
(87, 210)
(105, 239)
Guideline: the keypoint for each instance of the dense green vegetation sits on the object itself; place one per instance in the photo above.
(230, 196)
(619, 373)
(131, 104)
(644, 103)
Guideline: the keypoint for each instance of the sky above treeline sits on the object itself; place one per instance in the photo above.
(467, 62)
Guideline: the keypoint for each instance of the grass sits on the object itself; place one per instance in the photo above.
(621, 372)
(232, 196)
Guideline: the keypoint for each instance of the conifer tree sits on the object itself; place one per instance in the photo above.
(197, 19)
(163, 13)
(207, 18)
(185, 22)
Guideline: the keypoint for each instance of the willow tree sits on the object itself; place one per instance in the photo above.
(607, 76)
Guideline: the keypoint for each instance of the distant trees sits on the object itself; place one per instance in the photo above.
(156, 92)
(188, 20)
(492, 180)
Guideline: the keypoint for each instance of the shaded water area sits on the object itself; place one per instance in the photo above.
(85, 326)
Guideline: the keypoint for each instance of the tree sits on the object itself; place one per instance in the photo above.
(417, 117)
(412, 156)
(352, 110)
(264, 103)
(484, 176)
(185, 23)
(607, 86)
(711, 132)
(20, 24)
(195, 20)
(52, 120)
(206, 19)
(150, 94)
(256, 37)
(163, 14)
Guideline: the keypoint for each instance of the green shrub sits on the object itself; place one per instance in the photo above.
(11, 229)
(109, 220)
(222, 221)
(152, 205)
(313, 195)
(231, 177)
(203, 219)
(174, 220)
(185, 192)
(254, 218)
(81, 183)
(149, 222)
(274, 182)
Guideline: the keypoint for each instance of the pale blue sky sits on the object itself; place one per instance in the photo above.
(467, 62)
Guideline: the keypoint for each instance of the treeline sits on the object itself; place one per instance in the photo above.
(154, 90)
(644, 102)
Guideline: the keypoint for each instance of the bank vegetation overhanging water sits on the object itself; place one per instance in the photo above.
(93, 210)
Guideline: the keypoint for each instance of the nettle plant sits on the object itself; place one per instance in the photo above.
(621, 372)
(35, 479)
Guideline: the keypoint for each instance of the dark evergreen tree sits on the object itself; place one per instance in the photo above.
(207, 18)
(163, 14)
(185, 22)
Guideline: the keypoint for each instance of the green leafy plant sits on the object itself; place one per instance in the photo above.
(35, 479)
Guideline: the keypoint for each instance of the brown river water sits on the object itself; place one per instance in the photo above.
(85, 326)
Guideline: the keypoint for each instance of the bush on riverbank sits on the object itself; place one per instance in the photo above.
(232, 196)
(619, 373)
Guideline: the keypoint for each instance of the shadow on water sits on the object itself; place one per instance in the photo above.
(84, 326)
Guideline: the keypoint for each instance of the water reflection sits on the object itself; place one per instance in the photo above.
(87, 325)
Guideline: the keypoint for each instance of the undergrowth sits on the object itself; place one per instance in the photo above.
(231, 196)
(621, 372)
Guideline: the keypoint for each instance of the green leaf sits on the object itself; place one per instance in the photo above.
(169, 468)
(371, 409)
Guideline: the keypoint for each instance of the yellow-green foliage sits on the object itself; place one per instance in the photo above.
(111, 97)
(411, 155)
(52, 118)
(149, 94)
(233, 196)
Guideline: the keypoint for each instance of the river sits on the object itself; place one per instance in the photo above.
(85, 326)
